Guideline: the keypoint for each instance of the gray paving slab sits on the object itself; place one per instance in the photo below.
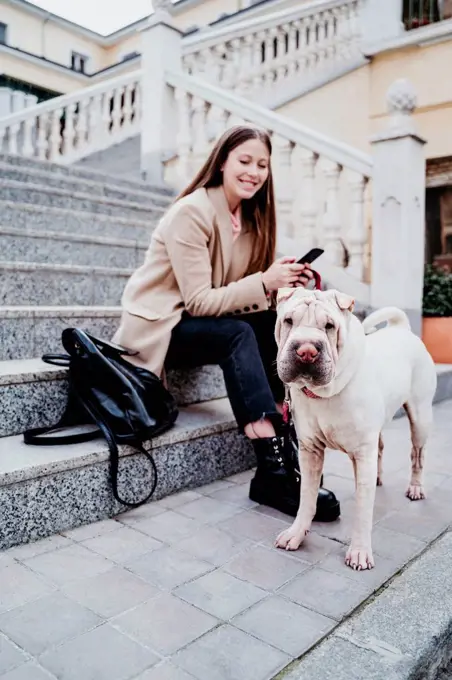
(100, 654)
(165, 624)
(227, 653)
(47, 622)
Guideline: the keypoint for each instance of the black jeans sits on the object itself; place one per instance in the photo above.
(244, 347)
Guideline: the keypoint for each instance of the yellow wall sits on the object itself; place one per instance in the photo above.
(339, 110)
(353, 108)
(40, 75)
(60, 43)
(428, 69)
(24, 29)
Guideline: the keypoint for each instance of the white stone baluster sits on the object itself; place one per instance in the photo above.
(137, 106)
(282, 171)
(117, 111)
(356, 237)
(42, 129)
(200, 140)
(127, 109)
(82, 125)
(331, 222)
(302, 53)
(56, 141)
(258, 70)
(273, 55)
(68, 133)
(184, 136)
(311, 44)
(304, 213)
(321, 41)
(247, 65)
(237, 57)
(281, 57)
(14, 131)
(218, 63)
(217, 123)
(292, 55)
(229, 69)
(28, 134)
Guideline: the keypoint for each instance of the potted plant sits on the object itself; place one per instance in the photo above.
(437, 314)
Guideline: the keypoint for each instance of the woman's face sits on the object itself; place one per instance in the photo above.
(245, 171)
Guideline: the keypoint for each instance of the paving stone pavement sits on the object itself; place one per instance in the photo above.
(191, 587)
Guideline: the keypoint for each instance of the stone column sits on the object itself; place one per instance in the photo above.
(161, 50)
(381, 20)
(398, 214)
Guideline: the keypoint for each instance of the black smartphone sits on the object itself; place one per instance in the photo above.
(312, 255)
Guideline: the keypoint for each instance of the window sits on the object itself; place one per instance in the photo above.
(3, 33)
(79, 62)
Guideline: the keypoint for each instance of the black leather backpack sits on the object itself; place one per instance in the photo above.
(127, 404)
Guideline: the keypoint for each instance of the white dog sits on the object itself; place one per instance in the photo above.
(346, 381)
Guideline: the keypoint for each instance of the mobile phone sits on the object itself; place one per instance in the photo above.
(312, 255)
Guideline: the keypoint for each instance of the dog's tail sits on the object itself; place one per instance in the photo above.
(392, 316)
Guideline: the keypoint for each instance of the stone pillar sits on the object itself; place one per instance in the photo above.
(398, 212)
(161, 50)
(381, 20)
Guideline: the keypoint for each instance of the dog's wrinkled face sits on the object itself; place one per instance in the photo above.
(310, 331)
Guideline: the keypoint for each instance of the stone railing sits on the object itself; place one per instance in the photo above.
(70, 127)
(322, 186)
(261, 55)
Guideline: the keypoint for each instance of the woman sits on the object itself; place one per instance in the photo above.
(203, 296)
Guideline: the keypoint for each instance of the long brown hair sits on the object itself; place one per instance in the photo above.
(259, 211)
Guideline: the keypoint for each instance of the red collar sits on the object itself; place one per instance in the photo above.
(310, 394)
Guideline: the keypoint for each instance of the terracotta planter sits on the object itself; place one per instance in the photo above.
(437, 337)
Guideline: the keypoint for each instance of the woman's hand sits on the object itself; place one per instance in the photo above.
(286, 273)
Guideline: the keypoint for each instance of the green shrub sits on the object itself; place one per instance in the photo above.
(437, 299)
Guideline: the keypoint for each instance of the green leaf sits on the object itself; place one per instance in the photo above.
(437, 298)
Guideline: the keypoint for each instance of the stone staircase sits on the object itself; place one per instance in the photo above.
(70, 238)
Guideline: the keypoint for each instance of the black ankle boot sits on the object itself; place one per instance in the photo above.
(277, 481)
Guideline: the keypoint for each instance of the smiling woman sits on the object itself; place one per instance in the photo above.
(205, 293)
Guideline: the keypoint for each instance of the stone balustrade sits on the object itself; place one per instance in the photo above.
(256, 56)
(67, 128)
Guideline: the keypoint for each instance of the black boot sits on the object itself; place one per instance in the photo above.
(277, 480)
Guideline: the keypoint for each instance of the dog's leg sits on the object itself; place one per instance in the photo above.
(359, 555)
(380, 461)
(420, 417)
(311, 466)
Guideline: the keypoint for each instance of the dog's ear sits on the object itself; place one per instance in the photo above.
(344, 302)
(284, 294)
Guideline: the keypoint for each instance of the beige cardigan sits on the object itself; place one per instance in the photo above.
(192, 264)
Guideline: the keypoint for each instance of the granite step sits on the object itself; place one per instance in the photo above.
(53, 247)
(58, 488)
(27, 332)
(84, 171)
(105, 189)
(31, 217)
(40, 194)
(28, 283)
(34, 394)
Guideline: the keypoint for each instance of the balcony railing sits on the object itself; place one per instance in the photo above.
(418, 13)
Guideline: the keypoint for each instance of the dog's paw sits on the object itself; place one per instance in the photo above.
(415, 492)
(291, 538)
(359, 558)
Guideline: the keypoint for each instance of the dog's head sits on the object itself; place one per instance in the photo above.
(310, 332)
